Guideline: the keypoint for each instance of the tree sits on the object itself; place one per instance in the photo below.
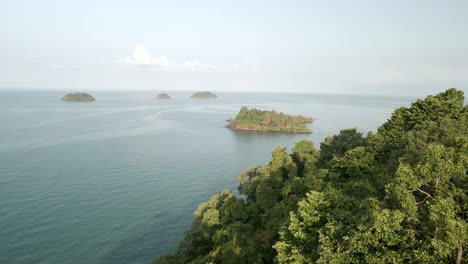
(336, 146)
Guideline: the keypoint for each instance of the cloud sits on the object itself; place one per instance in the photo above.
(141, 57)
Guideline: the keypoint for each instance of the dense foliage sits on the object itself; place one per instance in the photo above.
(259, 120)
(203, 95)
(397, 196)
(83, 97)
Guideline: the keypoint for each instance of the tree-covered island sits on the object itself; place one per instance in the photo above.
(269, 121)
(395, 196)
(78, 97)
(163, 96)
(203, 95)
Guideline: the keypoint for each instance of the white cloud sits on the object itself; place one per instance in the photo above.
(194, 65)
(141, 57)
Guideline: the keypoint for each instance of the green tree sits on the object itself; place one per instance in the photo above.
(336, 146)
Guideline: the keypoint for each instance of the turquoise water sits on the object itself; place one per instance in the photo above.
(117, 180)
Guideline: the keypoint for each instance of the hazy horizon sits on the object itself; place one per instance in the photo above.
(187, 91)
(338, 47)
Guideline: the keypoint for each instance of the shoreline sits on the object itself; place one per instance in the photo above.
(267, 131)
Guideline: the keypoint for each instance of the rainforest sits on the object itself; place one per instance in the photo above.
(398, 195)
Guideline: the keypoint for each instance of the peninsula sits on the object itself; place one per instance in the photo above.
(260, 120)
(203, 95)
(163, 96)
(78, 97)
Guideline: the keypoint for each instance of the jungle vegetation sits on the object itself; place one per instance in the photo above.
(395, 196)
(269, 121)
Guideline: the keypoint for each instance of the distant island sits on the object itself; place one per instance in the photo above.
(259, 120)
(204, 95)
(78, 97)
(163, 96)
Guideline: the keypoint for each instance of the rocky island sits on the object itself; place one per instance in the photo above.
(163, 96)
(260, 120)
(78, 97)
(203, 95)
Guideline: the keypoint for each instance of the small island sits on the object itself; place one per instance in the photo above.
(163, 96)
(266, 121)
(203, 95)
(78, 97)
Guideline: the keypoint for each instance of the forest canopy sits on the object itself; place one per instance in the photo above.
(395, 196)
(261, 120)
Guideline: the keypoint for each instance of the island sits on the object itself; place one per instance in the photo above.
(203, 95)
(163, 96)
(266, 121)
(78, 97)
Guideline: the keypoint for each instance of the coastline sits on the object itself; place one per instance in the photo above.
(232, 127)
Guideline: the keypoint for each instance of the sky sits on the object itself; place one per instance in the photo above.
(353, 47)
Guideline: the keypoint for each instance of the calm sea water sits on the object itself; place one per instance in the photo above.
(117, 180)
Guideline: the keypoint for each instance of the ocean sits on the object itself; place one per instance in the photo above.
(117, 180)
